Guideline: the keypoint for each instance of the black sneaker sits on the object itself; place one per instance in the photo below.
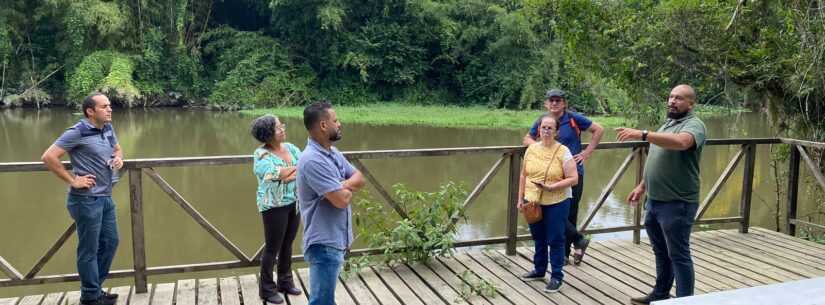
(533, 276)
(581, 245)
(646, 300)
(111, 296)
(274, 299)
(554, 285)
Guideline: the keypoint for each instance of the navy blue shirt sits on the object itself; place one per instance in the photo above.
(567, 134)
(90, 151)
(321, 171)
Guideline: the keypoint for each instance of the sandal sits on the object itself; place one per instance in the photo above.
(582, 245)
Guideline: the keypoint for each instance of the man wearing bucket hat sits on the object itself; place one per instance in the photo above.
(571, 126)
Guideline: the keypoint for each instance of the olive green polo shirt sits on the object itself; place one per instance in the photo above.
(672, 174)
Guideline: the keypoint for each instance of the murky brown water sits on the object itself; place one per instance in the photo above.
(33, 213)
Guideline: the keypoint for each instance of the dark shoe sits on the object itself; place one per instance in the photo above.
(581, 245)
(289, 289)
(274, 299)
(554, 285)
(533, 276)
(106, 295)
(99, 301)
(646, 300)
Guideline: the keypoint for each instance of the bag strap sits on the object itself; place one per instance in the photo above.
(547, 170)
(574, 125)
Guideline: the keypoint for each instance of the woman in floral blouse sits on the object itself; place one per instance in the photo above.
(275, 168)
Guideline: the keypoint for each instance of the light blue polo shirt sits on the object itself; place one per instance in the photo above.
(90, 150)
(321, 171)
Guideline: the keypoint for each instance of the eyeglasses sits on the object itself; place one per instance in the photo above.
(554, 100)
(547, 128)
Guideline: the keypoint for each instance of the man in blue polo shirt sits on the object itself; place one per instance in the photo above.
(95, 156)
(571, 126)
(326, 182)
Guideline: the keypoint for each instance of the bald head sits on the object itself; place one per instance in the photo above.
(686, 91)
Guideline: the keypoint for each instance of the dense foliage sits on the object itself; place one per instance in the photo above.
(613, 56)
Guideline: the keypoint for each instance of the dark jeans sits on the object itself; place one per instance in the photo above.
(550, 232)
(668, 225)
(571, 233)
(280, 227)
(324, 265)
(96, 241)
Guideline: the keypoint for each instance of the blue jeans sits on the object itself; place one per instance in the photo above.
(96, 241)
(668, 225)
(324, 264)
(550, 232)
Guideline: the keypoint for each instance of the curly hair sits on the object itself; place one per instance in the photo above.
(263, 128)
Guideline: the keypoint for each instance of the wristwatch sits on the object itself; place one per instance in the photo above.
(644, 135)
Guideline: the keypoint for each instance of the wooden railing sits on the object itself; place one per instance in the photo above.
(137, 168)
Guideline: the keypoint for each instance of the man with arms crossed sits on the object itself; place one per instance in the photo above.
(95, 157)
(326, 182)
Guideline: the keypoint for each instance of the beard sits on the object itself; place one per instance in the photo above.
(336, 136)
(676, 115)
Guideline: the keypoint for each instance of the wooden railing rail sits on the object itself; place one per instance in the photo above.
(136, 168)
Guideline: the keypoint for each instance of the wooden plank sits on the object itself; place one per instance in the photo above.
(512, 198)
(8, 270)
(122, 294)
(819, 145)
(724, 256)
(31, 300)
(797, 257)
(164, 294)
(197, 216)
(765, 257)
(607, 190)
(459, 269)
(208, 291)
(637, 208)
(52, 299)
(421, 289)
(359, 291)
(73, 298)
(719, 183)
(229, 291)
(590, 285)
(395, 285)
(454, 281)
(510, 274)
(516, 270)
(439, 286)
(298, 299)
(51, 251)
(138, 232)
(186, 292)
(734, 271)
(793, 189)
(379, 187)
(567, 291)
(643, 270)
(249, 290)
(747, 187)
(813, 167)
(790, 240)
(505, 289)
(9, 301)
(432, 152)
(709, 277)
(792, 244)
(385, 293)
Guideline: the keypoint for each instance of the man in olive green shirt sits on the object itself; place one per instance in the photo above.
(671, 180)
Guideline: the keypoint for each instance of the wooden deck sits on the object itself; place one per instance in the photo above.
(612, 272)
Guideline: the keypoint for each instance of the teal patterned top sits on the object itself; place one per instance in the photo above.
(273, 193)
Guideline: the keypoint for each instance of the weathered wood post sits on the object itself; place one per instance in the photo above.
(747, 186)
(641, 152)
(138, 246)
(512, 197)
(793, 189)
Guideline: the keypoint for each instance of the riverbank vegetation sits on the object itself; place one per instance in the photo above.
(613, 57)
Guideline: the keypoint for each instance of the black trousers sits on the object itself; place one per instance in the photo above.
(571, 233)
(280, 227)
